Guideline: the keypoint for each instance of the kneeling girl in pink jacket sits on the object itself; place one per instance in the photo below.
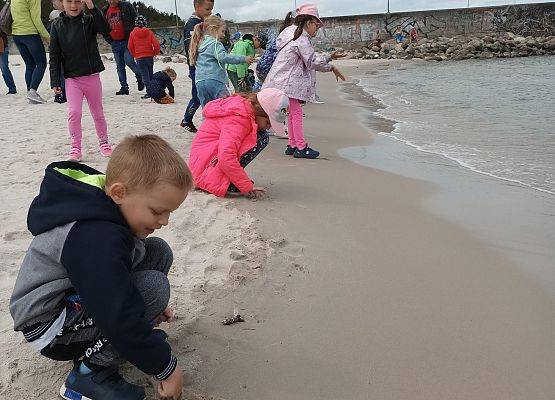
(232, 134)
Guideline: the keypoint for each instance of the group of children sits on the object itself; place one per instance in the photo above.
(93, 285)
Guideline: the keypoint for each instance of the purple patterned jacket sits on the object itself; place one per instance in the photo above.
(294, 68)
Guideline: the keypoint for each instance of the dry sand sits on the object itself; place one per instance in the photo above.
(350, 290)
(206, 234)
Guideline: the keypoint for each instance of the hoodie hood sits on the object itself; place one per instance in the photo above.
(207, 41)
(71, 192)
(229, 106)
(287, 36)
(142, 33)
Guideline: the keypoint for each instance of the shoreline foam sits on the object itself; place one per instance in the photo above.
(524, 230)
(382, 106)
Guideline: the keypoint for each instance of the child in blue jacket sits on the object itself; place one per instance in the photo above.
(209, 57)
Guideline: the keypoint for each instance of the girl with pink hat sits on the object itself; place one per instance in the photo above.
(293, 72)
(232, 134)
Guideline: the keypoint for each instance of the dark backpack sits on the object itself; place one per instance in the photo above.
(6, 19)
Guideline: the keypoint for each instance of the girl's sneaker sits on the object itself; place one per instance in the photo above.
(105, 149)
(75, 154)
(307, 152)
(106, 384)
(289, 151)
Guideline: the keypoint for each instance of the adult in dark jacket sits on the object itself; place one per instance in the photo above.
(73, 48)
(121, 18)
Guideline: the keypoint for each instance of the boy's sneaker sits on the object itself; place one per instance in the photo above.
(11, 92)
(318, 100)
(289, 151)
(105, 149)
(106, 384)
(34, 97)
(75, 154)
(122, 92)
(146, 96)
(189, 126)
(140, 86)
(307, 152)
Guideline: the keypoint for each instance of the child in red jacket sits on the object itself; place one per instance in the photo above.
(143, 46)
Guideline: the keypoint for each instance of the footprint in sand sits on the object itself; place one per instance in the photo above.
(11, 236)
(294, 250)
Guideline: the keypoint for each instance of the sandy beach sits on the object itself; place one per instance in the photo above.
(351, 287)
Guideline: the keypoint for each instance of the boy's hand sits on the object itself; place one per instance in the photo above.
(249, 60)
(57, 90)
(172, 387)
(89, 3)
(338, 74)
(166, 316)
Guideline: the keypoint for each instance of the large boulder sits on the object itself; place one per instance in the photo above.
(549, 45)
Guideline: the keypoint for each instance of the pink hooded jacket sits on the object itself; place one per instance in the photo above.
(294, 69)
(228, 131)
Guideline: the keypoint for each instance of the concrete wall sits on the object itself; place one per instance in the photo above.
(355, 31)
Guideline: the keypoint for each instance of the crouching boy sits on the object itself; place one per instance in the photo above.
(93, 285)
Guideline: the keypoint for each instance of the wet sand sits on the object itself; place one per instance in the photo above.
(370, 296)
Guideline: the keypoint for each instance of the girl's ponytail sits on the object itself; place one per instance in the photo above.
(196, 38)
(301, 21)
(288, 21)
(210, 26)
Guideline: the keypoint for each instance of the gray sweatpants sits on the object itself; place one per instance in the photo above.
(81, 337)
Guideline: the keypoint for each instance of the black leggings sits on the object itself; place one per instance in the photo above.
(261, 142)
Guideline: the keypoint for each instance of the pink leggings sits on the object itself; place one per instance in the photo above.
(90, 88)
(295, 126)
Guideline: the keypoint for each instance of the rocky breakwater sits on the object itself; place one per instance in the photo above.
(505, 45)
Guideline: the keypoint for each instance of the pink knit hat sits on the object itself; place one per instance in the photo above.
(310, 9)
(275, 103)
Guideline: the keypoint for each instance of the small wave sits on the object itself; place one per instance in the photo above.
(384, 112)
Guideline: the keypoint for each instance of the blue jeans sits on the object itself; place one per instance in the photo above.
(123, 57)
(146, 68)
(6, 73)
(32, 50)
(211, 89)
(194, 103)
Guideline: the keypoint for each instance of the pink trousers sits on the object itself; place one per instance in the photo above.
(90, 88)
(295, 125)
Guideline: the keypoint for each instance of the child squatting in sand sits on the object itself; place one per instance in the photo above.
(93, 284)
(160, 81)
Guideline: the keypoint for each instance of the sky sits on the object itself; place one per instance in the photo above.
(257, 10)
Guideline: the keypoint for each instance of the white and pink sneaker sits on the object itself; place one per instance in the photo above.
(75, 154)
(105, 149)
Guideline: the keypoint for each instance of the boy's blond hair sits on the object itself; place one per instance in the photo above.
(140, 162)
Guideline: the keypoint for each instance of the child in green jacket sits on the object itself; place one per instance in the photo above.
(238, 73)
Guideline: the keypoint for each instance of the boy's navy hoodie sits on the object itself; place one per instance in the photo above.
(83, 244)
(157, 86)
